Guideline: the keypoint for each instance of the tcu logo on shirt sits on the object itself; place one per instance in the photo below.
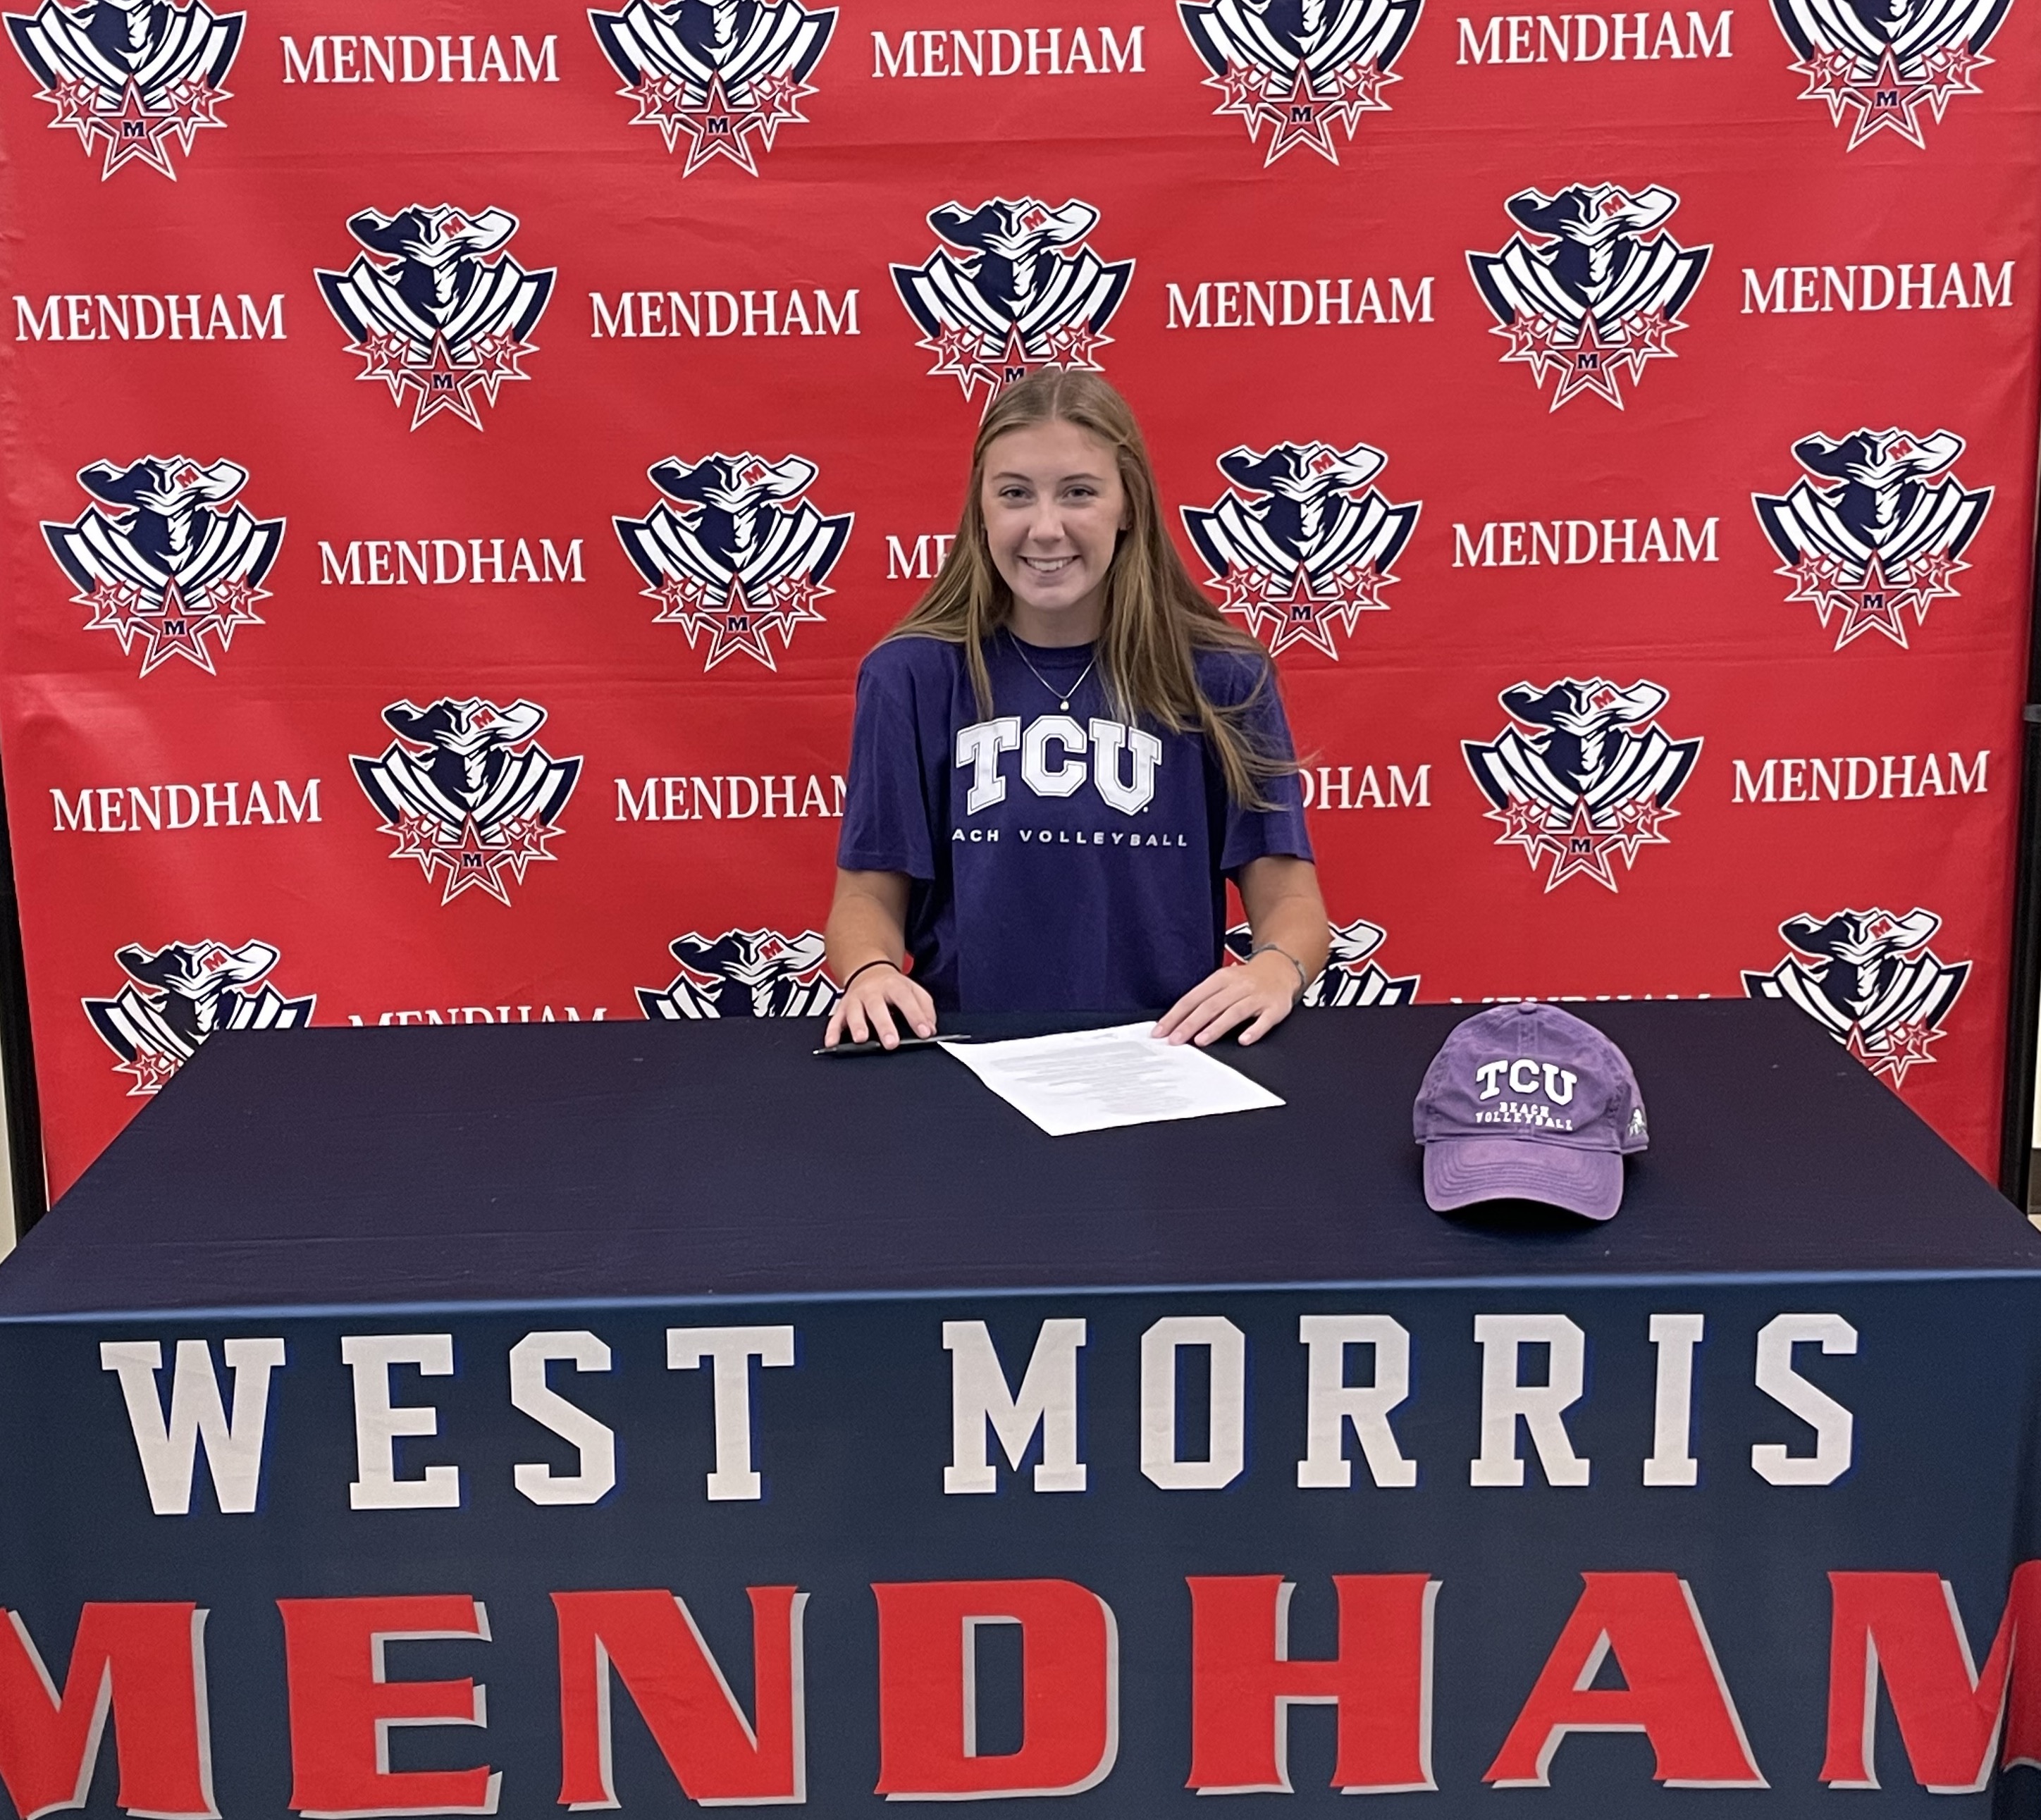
(1121, 766)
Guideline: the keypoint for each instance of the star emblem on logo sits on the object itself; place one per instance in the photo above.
(1576, 842)
(736, 621)
(1534, 339)
(112, 602)
(1303, 112)
(1299, 617)
(681, 598)
(1647, 336)
(136, 130)
(1828, 74)
(1242, 88)
(1894, 1050)
(1357, 88)
(1073, 344)
(1300, 117)
(443, 384)
(1247, 592)
(1888, 100)
(151, 1070)
(1876, 605)
(172, 631)
(1948, 70)
(172, 626)
(1014, 364)
(1587, 364)
(1637, 824)
(1523, 825)
(496, 355)
(661, 101)
(1302, 615)
(1580, 846)
(1358, 590)
(192, 104)
(1930, 572)
(1888, 103)
(73, 100)
(1816, 577)
(717, 129)
(472, 858)
(471, 861)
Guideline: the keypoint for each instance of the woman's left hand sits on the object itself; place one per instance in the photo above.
(1259, 993)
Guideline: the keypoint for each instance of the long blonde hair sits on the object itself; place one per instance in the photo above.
(1156, 618)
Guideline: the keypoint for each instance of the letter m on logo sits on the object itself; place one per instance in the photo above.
(1905, 1629)
(144, 1664)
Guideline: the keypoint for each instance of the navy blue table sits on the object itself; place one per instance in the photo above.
(767, 1430)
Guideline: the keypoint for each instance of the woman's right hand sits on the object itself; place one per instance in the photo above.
(875, 1004)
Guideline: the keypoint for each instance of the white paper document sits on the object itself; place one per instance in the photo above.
(1091, 1080)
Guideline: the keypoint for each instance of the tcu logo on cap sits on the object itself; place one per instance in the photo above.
(1524, 1077)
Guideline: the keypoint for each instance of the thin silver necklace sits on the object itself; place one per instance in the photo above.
(1064, 703)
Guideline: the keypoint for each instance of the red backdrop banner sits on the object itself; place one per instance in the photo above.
(456, 457)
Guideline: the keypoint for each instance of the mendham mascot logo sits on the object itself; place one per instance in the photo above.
(176, 997)
(467, 789)
(1877, 63)
(1592, 781)
(176, 564)
(1027, 292)
(1300, 67)
(1303, 543)
(735, 550)
(436, 307)
(727, 73)
(1351, 976)
(744, 973)
(1885, 536)
(1595, 292)
(135, 73)
(1869, 979)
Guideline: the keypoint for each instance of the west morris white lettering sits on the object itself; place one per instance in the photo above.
(728, 1352)
(169, 1450)
(980, 1400)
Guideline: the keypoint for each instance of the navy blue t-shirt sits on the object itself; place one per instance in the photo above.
(1059, 861)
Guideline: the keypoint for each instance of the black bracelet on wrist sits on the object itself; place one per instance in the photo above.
(882, 961)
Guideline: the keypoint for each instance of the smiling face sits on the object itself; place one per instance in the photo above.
(1054, 510)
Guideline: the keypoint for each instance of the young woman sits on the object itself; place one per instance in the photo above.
(1059, 758)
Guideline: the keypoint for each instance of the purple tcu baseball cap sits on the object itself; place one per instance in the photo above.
(1528, 1102)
